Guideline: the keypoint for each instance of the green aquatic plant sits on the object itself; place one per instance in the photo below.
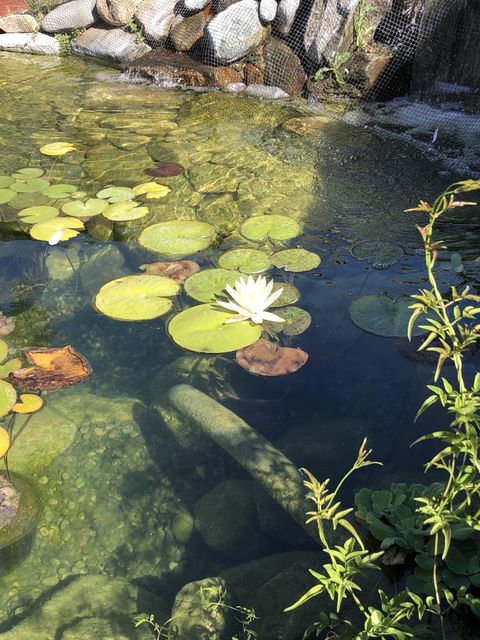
(380, 254)
(362, 24)
(383, 316)
(337, 68)
(65, 39)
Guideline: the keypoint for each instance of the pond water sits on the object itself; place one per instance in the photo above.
(129, 490)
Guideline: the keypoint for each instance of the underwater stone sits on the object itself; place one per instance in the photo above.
(77, 14)
(214, 178)
(221, 212)
(37, 43)
(277, 475)
(18, 23)
(104, 265)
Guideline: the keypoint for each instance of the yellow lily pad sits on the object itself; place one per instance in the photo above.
(57, 148)
(124, 211)
(29, 403)
(4, 442)
(3, 350)
(69, 228)
(9, 367)
(8, 397)
(152, 190)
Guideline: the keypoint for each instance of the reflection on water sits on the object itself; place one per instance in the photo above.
(124, 483)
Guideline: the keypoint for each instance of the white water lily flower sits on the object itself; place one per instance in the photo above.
(250, 300)
(55, 237)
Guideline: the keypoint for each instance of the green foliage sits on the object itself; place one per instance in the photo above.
(133, 27)
(40, 8)
(362, 24)
(337, 69)
(65, 39)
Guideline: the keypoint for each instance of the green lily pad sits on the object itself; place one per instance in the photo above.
(381, 255)
(295, 260)
(59, 191)
(9, 367)
(3, 350)
(296, 321)
(28, 172)
(383, 316)
(87, 209)
(69, 228)
(245, 260)
(203, 329)
(79, 195)
(274, 227)
(123, 211)
(137, 297)
(207, 285)
(32, 215)
(116, 194)
(24, 200)
(290, 294)
(6, 195)
(8, 397)
(30, 185)
(5, 181)
(177, 237)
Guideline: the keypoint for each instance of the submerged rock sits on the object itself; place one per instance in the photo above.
(19, 509)
(114, 45)
(105, 264)
(18, 23)
(37, 43)
(77, 14)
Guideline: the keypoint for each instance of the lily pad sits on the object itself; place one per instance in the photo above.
(380, 254)
(29, 403)
(9, 367)
(177, 237)
(116, 194)
(267, 359)
(65, 228)
(290, 294)
(273, 227)
(8, 397)
(32, 215)
(59, 191)
(296, 321)
(54, 368)
(209, 284)
(57, 149)
(295, 260)
(79, 195)
(383, 316)
(28, 172)
(24, 200)
(203, 329)
(6, 195)
(137, 297)
(3, 350)
(124, 211)
(165, 170)
(245, 260)
(152, 190)
(4, 442)
(87, 209)
(5, 181)
(30, 185)
(179, 270)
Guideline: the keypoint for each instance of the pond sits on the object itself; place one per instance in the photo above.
(135, 501)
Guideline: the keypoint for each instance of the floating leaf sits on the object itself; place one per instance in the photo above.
(57, 148)
(177, 237)
(3, 350)
(273, 227)
(116, 194)
(65, 228)
(30, 185)
(59, 191)
(456, 263)
(296, 321)
(54, 369)
(165, 170)
(87, 209)
(32, 215)
(267, 359)
(137, 297)
(9, 367)
(24, 200)
(289, 295)
(124, 211)
(29, 403)
(295, 260)
(28, 172)
(179, 270)
(209, 284)
(8, 397)
(5, 181)
(6, 195)
(246, 260)
(79, 194)
(382, 315)
(202, 328)
(152, 190)
(381, 255)
(7, 325)
(4, 442)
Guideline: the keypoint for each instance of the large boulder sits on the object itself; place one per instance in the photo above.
(286, 12)
(329, 29)
(156, 17)
(113, 45)
(195, 5)
(38, 43)
(18, 23)
(283, 67)
(78, 14)
(187, 30)
(268, 10)
(235, 32)
(117, 12)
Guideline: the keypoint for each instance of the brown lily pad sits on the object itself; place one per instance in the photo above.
(267, 359)
(54, 369)
(7, 325)
(179, 270)
(165, 170)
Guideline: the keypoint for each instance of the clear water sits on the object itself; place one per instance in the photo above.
(117, 475)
